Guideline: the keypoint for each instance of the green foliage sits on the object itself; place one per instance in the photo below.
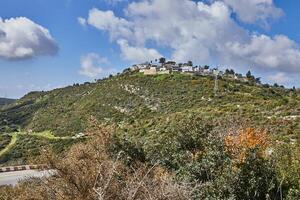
(288, 168)
(294, 193)
(162, 60)
(4, 141)
(162, 77)
(28, 146)
(25, 147)
(130, 151)
(65, 111)
(256, 179)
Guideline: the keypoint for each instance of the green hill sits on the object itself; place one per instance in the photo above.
(241, 142)
(140, 104)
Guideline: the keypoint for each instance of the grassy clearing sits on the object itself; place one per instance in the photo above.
(10, 145)
(24, 147)
(33, 138)
(46, 134)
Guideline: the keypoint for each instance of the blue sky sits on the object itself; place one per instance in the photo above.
(115, 33)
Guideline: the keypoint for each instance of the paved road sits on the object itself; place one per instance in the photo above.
(12, 178)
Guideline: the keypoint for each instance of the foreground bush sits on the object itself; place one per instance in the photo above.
(86, 172)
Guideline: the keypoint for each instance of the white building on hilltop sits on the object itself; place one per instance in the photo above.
(186, 69)
(149, 71)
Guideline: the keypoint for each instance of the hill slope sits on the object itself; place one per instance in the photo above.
(139, 103)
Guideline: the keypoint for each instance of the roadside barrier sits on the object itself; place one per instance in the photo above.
(23, 168)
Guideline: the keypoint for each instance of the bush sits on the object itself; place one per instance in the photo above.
(256, 178)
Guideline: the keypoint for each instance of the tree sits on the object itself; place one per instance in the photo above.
(257, 80)
(206, 67)
(239, 75)
(250, 77)
(162, 60)
(190, 63)
(248, 74)
(127, 70)
(229, 71)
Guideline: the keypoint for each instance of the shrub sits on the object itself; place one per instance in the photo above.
(256, 178)
(87, 172)
(239, 142)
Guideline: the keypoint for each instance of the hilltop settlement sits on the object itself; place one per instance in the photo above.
(161, 66)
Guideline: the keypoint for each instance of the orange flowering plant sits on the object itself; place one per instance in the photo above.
(237, 143)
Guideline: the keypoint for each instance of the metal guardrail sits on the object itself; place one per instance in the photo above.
(23, 168)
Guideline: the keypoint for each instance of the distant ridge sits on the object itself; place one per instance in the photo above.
(5, 101)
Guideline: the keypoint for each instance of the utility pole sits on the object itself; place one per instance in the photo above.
(216, 88)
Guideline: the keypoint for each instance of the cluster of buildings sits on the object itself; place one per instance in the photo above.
(170, 67)
(150, 68)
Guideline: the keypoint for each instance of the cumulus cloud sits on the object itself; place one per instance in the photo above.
(203, 32)
(106, 20)
(21, 38)
(277, 53)
(254, 10)
(92, 66)
(280, 78)
(137, 54)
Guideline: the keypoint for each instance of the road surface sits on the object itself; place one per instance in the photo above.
(12, 178)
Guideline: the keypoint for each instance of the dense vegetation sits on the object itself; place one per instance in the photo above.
(239, 143)
(137, 98)
(4, 140)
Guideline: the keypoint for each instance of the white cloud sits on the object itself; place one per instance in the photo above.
(252, 11)
(280, 78)
(106, 20)
(81, 21)
(21, 38)
(279, 52)
(92, 66)
(137, 54)
(18, 90)
(198, 31)
(113, 2)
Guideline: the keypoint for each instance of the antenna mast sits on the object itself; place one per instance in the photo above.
(216, 88)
